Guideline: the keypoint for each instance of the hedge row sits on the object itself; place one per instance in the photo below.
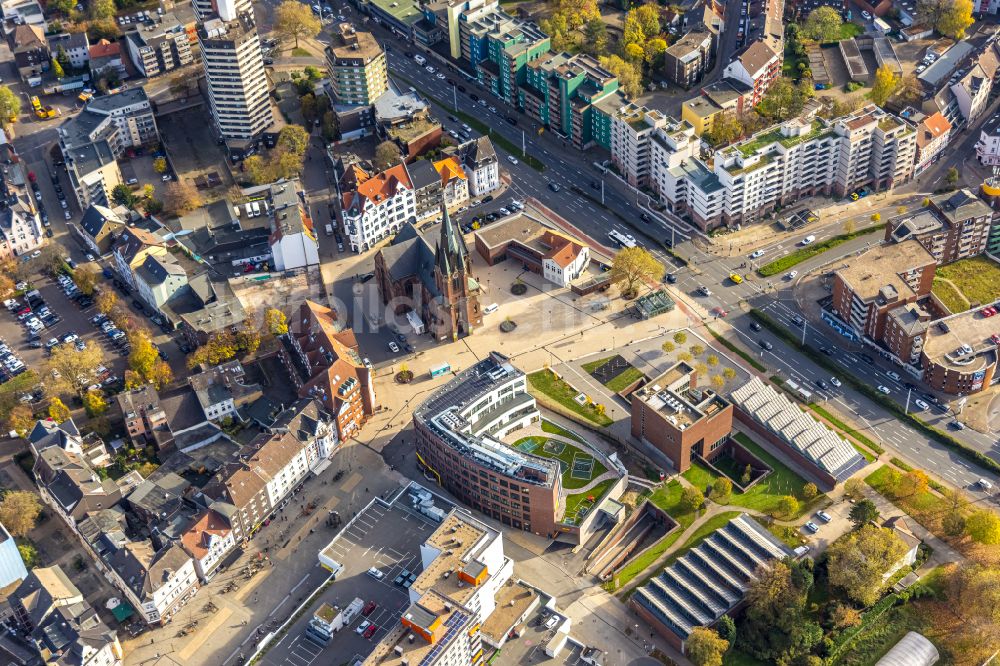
(746, 356)
(823, 361)
(784, 263)
(482, 128)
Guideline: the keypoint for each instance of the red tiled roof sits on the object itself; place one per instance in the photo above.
(207, 524)
(105, 48)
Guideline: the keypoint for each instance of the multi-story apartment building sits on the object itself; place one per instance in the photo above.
(356, 64)
(20, 228)
(479, 160)
(632, 131)
(878, 281)
(988, 146)
(679, 419)
(805, 156)
(454, 18)
(159, 46)
(510, 45)
(687, 59)
(237, 83)
(375, 206)
(933, 135)
(208, 539)
(952, 226)
(757, 67)
(157, 582)
(561, 92)
(321, 357)
(75, 45)
(92, 141)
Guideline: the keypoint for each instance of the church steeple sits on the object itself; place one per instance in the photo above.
(450, 250)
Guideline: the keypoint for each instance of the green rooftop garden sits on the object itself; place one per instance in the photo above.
(577, 466)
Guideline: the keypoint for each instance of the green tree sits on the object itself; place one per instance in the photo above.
(10, 105)
(784, 99)
(654, 50)
(307, 106)
(983, 527)
(809, 491)
(726, 128)
(858, 561)
(722, 488)
(680, 337)
(275, 321)
(691, 499)
(123, 196)
(629, 76)
(294, 20)
(57, 69)
(632, 266)
(160, 165)
(884, 85)
(102, 9)
(72, 371)
(787, 506)
(20, 420)
(312, 73)
(293, 139)
(595, 37)
(58, 411)
(85, 278)
(648, 17)
(330, 126)
(19, 511)
(863, 513)
(823, 25)
(386, 155)
(704, 647)
(948, 17)
(64, 7)
(775, 628)
(953, 524)
(952, 177)
(726, 628)
(29, 554)
(94, 403)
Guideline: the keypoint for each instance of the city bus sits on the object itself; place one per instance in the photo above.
(624, 240)
(438, 370)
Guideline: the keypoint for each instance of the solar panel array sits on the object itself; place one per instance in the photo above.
(813, 440)
(454, 624)
(711, 579)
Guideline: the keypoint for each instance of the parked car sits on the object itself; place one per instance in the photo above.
(812, 527)
(824, 516)
(884, 389)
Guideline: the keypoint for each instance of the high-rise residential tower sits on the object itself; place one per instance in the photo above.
(234, 69)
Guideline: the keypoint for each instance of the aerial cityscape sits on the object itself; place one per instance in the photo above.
(469, 332)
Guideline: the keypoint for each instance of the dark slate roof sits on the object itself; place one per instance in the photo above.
(478, 152)
(48, 433)
(423, 174)
(155, 270)
(95, 217)
(411, 254)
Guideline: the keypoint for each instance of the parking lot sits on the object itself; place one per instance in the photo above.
(60, 320)
(383, 535)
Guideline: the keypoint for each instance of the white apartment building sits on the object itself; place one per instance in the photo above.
(802, 157)
(479, 159)
(566, 265)
(988, 146)
(234, 68)
(157, 583)
(207, 540)
(632, 130)
(377, 206)
(933, 135)
(294, 244)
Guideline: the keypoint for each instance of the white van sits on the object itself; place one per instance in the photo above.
(249, 211)
(256, 209)
(419, 59)
(491, 308)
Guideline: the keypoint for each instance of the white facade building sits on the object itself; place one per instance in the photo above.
(632, 130)
(479, 159)
(156, 583)
(563, 267)
(294, 244)
(208, 540)
(377, 207)
(988, 146)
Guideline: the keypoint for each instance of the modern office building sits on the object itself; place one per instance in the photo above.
(953, 226)
(356, 64)
(881, 280)
(92, 141)
(234, 69)
(680, 419)
(708, 581)
(459, 433)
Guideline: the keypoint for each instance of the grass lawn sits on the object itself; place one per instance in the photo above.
(765, 495)
(626, 378)
(798, 256)
(545, 382)
(926, 507)
(594, 365)
(565, 458)
(573, 502)
(978, 278)
(299, 52)
(949, 295)
(668, 498)
(700, 476)
(550, 427)
(850, 30)
(790, 536)
(637, 564)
